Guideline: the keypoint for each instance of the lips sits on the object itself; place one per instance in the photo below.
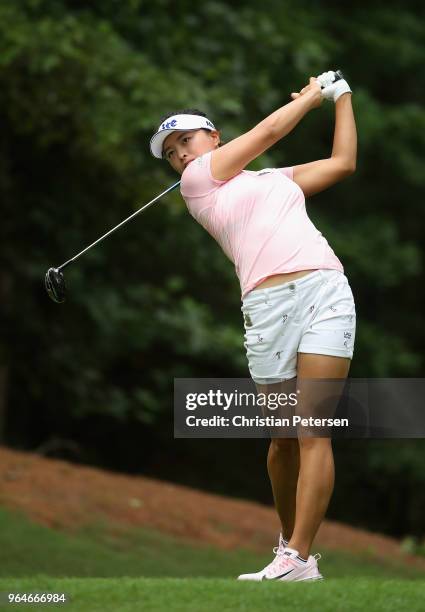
(187, 163)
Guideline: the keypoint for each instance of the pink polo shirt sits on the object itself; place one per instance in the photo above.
(259, 219)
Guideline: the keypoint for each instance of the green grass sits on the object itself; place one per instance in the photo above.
(141, 569)
(220, 594)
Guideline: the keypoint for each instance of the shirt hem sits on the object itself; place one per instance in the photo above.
(322, 267)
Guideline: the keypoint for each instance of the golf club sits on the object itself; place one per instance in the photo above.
(54, 280)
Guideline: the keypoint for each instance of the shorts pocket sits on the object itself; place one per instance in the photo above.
(255, 314)
(266, 325)
(332, 325)
(336, 307)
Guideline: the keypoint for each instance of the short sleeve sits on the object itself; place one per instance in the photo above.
(288, 171)
(197, 180)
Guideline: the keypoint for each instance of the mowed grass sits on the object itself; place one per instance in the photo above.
(220, 594)
(140, 569)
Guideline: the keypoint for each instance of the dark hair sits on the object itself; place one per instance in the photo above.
(188, 111)
(185, 111)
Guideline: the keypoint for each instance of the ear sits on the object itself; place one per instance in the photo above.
(215, 135)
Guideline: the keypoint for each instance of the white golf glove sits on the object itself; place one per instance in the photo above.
(332, 89)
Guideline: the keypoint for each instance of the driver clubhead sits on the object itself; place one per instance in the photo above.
(55, 285)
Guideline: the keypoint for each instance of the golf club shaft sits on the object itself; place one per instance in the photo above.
(118, 226)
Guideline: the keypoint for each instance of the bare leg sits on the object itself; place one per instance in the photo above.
(283, 464)
(314, 491)
(317, 472)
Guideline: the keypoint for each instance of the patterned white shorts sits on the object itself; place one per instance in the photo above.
(312, 314)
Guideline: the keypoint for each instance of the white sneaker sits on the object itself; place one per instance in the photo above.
(292, 568)
(288, 566)
(278, 551)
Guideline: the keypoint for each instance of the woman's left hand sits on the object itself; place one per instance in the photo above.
(314, 89)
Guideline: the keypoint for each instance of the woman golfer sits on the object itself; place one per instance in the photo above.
(298, 308)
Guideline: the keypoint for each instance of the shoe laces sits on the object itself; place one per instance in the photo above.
(280, 561)
(278, 551)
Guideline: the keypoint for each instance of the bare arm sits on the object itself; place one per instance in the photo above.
(318, 175)
(231, 158)
(345, 136)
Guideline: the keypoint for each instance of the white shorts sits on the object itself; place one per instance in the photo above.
(312, 314)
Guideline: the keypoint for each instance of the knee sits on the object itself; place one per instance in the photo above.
(308, 443)
(287, 446)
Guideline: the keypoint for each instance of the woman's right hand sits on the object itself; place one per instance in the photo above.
(312, 91)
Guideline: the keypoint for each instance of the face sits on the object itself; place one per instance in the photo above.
(180, 148)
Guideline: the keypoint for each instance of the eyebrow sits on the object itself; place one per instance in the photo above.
(170, 147)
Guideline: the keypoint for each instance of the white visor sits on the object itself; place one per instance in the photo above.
(177, 123)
